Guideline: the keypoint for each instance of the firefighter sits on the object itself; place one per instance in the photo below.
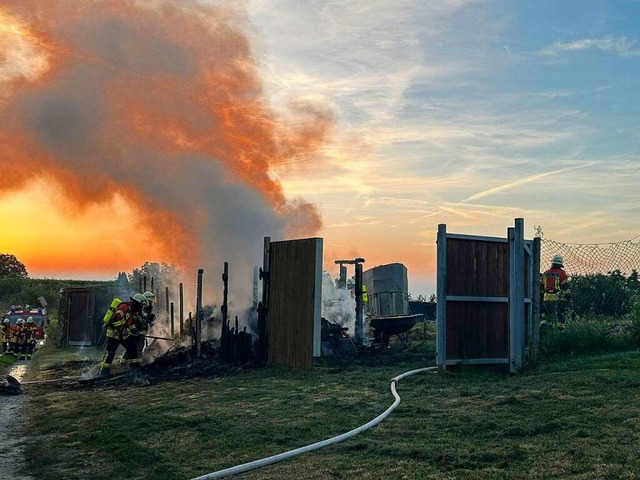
(141, 324)
(30, 329)
(6, 336)
(557, 294)
(18, 338)
(120, 331)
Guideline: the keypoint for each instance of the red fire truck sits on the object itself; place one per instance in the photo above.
(39, 316)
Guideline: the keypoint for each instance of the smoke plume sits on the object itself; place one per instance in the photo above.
(161, 104)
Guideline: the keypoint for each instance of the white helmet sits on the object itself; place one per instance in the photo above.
(149, 296)
(20, 321)
(29, 319)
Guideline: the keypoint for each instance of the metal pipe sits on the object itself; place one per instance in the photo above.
(245, 467)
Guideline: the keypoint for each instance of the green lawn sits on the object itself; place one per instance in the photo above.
(574, 417)
(5, 364)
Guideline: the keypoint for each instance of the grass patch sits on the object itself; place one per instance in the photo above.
(591, 334)
(6, 361)
(574, 417)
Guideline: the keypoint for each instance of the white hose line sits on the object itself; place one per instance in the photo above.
(315, 446)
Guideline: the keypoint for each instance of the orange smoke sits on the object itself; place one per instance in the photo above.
(158, 103)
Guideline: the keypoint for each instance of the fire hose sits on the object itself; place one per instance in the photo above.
(245, 467)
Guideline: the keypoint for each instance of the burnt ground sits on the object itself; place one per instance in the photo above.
(11, 449)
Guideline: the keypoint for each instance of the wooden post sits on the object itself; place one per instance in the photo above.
(359, 323)
(152, 284)
(140, 286)
(166, 300)
(441, 298)
(198, 338)
(224, 338)
(172, 327)
(535, 301)
(144, 282)
(263, 329)
(516, 296)
(181, 308)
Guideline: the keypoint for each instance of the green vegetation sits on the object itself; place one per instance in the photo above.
(23, 291)
(613, 294)
(5, 363)
(573, 417)
(11, 267)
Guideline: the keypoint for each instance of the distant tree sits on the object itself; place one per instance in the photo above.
(163, 274)
(11, 267)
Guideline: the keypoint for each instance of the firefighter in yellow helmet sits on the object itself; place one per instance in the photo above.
(120, 331)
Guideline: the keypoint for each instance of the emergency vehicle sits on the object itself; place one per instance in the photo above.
(39, 316)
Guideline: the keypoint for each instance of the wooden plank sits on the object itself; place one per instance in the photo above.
(477, 330)
(462, 298)
(477, 238)
(293, 306)
(441, 295)
(516, 296)
(535, 296)
(478, 361)
(477, 268)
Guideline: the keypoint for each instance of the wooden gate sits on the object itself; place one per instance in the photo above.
(488, 287)
(80, 321)
(294, 301)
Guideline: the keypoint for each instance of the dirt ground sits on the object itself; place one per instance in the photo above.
(11, 450)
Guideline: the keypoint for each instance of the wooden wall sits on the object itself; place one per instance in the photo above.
(295, 293)
(477, 268)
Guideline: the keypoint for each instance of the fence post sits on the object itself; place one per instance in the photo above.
(199, 314)
(181, 307)
(535, 300)
(441, 298)
(172, 327)
(516, 296)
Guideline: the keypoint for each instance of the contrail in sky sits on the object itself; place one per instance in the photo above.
(532, 178)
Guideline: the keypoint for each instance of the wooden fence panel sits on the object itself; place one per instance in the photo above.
(477, 268)
(485, 309)
(293, 313)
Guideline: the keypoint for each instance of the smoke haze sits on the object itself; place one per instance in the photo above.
(159, 104)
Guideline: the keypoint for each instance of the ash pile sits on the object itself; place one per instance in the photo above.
(231, 351)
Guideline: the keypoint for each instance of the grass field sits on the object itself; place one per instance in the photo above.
(573, 417)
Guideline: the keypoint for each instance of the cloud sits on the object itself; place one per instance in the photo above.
(618, 45)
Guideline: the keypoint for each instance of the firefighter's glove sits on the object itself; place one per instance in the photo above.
(128, 332)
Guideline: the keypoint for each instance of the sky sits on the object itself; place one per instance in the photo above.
(413, 113)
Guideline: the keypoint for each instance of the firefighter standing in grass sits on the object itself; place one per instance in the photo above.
(30, 329)
(6, 336)
(557, 296)
(120, 330)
